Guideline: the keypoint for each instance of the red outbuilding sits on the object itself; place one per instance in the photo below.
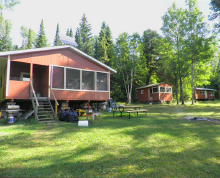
(204, 94)
(160, 92)
(61, 73)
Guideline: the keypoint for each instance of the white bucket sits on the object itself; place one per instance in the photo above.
(11, 120)
(109, 109)
(83, 123)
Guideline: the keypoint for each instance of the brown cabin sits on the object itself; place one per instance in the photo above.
(160, 92)
(58, 73)
(204, 94)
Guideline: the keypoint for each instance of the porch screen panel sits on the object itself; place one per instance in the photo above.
(58, 77)
(88, 79)
(101, 81)
(72, 79)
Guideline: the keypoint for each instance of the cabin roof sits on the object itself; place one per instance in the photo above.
(152, 85)
(7, 53)
(208, 89)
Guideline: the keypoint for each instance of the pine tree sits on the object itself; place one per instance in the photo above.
(57, 41)
(68, 32)
(41, 40)
(30, 39)
(71, 33)
(24, 34)
(83, 36)
(104, 47)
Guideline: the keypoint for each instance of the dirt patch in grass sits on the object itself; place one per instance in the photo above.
(191, 118)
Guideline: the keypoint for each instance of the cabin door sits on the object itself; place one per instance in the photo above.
(150, 94)
(40, 81)
(205, 94)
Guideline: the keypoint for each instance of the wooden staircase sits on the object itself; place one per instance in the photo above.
(45, 111)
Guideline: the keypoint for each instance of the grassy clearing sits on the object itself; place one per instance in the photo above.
(161, 144)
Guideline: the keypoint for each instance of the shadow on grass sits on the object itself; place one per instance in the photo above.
(160, 145)
(145, 161)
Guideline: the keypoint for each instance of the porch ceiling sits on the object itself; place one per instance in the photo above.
(3, 63)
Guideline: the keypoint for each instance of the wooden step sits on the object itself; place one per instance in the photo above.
(44, 115)
(46, 118)
(44, 112)
(41, 106)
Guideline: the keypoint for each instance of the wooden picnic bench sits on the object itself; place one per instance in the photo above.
(137, 111)
(121, 111)
(130, 111)
(132, 107)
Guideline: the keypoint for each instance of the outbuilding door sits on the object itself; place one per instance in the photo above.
(205, 94)
(150, 94)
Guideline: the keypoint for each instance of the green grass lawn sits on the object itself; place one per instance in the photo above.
(159, 144)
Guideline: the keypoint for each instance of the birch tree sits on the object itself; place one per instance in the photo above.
(126, 60)
(173, 29)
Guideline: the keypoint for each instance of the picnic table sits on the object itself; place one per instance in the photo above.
(133, 109)
(124, 107)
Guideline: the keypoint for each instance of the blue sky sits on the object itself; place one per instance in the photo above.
(121, 15)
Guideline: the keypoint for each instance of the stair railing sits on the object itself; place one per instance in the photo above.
(34, 97)
(56, 102)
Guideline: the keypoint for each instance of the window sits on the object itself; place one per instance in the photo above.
(77, 79)
(155, 90)
(72, 79)
(165, 90)
(168, 90)
(211, 93)
(201, 92)
(25, 77)
(101, 81)
(142, 92)
(88, 80)
(162, 89)
(58, 77)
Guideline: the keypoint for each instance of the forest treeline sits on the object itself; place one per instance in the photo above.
(186, 55)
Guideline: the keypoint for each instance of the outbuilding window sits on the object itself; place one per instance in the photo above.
(211, 93)
(201, 92)
(155, 90)
(165, 90)
(162, 89)
(142, 92)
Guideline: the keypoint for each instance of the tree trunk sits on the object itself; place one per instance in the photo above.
(192, 82)
(181, 90)
(181, 84)
(176, 85)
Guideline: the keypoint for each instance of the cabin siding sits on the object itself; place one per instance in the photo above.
(166, 96)
(200, 96)
(59, 57)
(155, 96)
(164, 85)
(80, 95)
(18, 90)
(143, 97)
